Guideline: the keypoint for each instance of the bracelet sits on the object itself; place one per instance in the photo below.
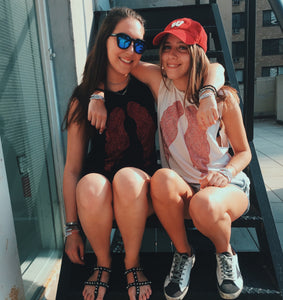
(96, 97)
(71, 227)
(208, 87)
(227, 173)
(205, 95)
(72, 224)
(69, 231)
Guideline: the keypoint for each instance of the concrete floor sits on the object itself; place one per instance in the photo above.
(268, 141)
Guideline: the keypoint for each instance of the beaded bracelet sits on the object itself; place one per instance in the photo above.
(71, 227)
(96, 97)
(208, 87)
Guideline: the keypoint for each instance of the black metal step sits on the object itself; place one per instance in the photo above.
(258, 283)
(251, 219)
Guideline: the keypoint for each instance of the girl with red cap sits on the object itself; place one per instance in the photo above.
(199, 180)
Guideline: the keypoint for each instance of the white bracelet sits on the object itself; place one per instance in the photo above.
(227, 173)
(205, 95)
(96, 97)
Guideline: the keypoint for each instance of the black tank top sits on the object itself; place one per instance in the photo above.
(129, 139)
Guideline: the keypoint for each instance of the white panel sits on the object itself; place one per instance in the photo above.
(11, 286)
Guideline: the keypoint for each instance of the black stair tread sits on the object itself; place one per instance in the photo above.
(251, 219)
(258, 284)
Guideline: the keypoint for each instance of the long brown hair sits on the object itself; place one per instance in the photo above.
(96, 65)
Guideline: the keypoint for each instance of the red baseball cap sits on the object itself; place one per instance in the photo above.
(187, 30)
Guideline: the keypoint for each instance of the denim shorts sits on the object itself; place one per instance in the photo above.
(241, 180)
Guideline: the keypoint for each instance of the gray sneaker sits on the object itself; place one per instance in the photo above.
(229, 278)
(176, 284)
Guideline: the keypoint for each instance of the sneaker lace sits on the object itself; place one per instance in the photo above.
(226, 267)
(178, 268)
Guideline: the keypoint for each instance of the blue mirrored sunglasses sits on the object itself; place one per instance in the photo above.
(124, 41)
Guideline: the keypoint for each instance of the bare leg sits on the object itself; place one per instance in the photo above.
(213, 210)
(132, 207)
(94, 201)
(170, 196)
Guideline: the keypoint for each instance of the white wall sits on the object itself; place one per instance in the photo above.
(11, 285)
(265, 102)
(82, 13)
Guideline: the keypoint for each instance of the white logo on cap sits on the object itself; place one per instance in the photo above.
(177, 24)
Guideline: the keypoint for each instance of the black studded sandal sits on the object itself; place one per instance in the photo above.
(98, 283)
(136, 282)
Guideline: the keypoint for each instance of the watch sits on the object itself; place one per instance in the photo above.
(96, 97)
(227, 173)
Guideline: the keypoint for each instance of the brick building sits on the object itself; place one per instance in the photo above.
(269, 40)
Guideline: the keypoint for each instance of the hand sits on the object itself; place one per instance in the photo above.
(97, 114)
(213, 178)
(207, 112)
(74, 248)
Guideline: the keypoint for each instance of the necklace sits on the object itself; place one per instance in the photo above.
(118, 83)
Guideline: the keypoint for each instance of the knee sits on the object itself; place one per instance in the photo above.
(130, 184)
(93, 190)
(204, 210)
(162, 185)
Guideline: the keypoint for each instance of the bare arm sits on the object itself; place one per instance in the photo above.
(149, 74)
(76, 145)
(234, 128)
(215, 76)
(207, 112)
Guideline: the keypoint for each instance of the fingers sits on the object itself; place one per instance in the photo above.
(74, 248)
(207, 118)
(81, 253)
(213, 179)
(215, 114)
(75, 257)
(97, 115)
(207, 112)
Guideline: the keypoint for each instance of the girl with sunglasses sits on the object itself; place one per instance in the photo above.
(199, 180)
(110, 179)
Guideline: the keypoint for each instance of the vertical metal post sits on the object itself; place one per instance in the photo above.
(277, 7)
(249, 73)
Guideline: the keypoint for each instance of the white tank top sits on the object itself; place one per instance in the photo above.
(184, 146)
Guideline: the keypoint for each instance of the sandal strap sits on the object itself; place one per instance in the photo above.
(134, 270)
(98, 283)
(102, 269)
(136, 282)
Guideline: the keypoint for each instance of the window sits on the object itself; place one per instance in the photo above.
(238, 49)
(271, 71)
(272, 47)
(240, 75)
(26, 142)
(269, 18)
(238, 22)
(236, 2)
